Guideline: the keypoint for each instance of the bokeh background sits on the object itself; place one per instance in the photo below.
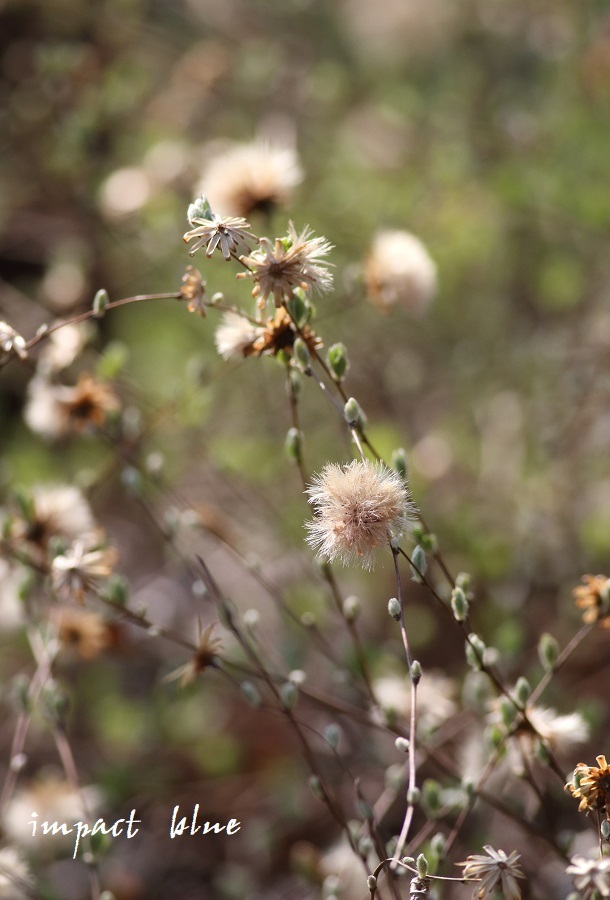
(482, 127)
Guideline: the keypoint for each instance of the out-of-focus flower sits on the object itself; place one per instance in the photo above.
(253, 177)
(399, 270)
(79, 570)
(80, 632)
(15, 876)
(590, 876)
(55, 410)
(11, 342)
(55, 801)
(193, 290)
(53, 512)
(12, 612)
(62, 347)
(591, 785)
(435, 699)
(235, 335)
(279, 267)
(594, 597)
(230, 234)
(359, 507)
(207, 650)
(496, 870)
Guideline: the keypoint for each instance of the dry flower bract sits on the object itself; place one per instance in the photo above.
(359, 507)
(279, 267)
(249, 178)
(591, 785)
(193, 290)
(83, 633)
(594, 597)
(399, 270)
(230, 234)
(207, 650)
(54, 410)
(79, 570)
(496, 870)
(590, 875)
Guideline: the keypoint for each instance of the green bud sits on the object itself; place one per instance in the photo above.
(199, 209)
(421, 865)
(402, 744)
(408, 861)
(292, 445)
(463, 581)
(332, 734)
(605, 829)
(302, 356)
(251, 694)
(294, 385)
(298, 308)
(352, 607)
(413, 796)
(419, 563)
(429, 542)
(437, 844)
(116, 590)
(475, 651)
(353, 413)
(459, 604)
(507, 712)
(395, 776)
(315, 786)
(400, 463)
(548, 651)
(395, 609)
(415, 671)
(496, 736)
(522, 690)
(371, 883)
(431, 796)
(289, 693)
(542, 752)
(365, 845)
(468, 787)
(337, 360)
(100, 302)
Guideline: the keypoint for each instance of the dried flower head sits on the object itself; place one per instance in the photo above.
(239, 336)
(11, 343)
(54, 410)
(359, 507)
(594, 597)
(235, 335)
(399, 270)
(207, 650)
(230, 234)
(288, 263)
(254, 177)
(591, 785)
(63, 346)
(560, 734)
(496, 870)
(15, 876)
(52, 512)
(193, 290)
(80, 632)
(79, 570)
(590, 876)
(55, 800)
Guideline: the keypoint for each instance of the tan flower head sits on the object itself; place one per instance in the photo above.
(399, 270)
(359, 507)
(280, 267)
(496, 870)
(594, 597)
(591, 785)
(207, 650)
(590, 876)
(230, 234)
(249, 178)
(193, 290)
(79, 571)
(54, 410)
(83, 633)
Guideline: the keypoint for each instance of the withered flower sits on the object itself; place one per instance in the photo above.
(230, 234)
(205, 656)
(11, 342)
(193, 290)
(591, 785)
(79, 570)
(81, 632)
(496, 870)
(594, 597)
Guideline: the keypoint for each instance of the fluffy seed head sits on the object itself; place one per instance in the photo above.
(399, 270)
(358, 507)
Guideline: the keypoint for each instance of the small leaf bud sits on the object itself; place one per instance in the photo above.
(395, 609)
(288, 695)
(353, 413)
(251, 694)
(371, 883)
(337, 361)
(413, 796)
(605, 829)
(100, 302)
(402, 744)
(507, 712)
(315, 786)
(459, 604)
(522, 690)
(437, 844)
(415, 671)
(548, 651)
(301, 354)
(475, 651)
(332, 734)
(352, 608)
(462, 581)
(400, 463)
(421, 864)
(431, 796)
(199, 209)
(292, 445)
(419, 563)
